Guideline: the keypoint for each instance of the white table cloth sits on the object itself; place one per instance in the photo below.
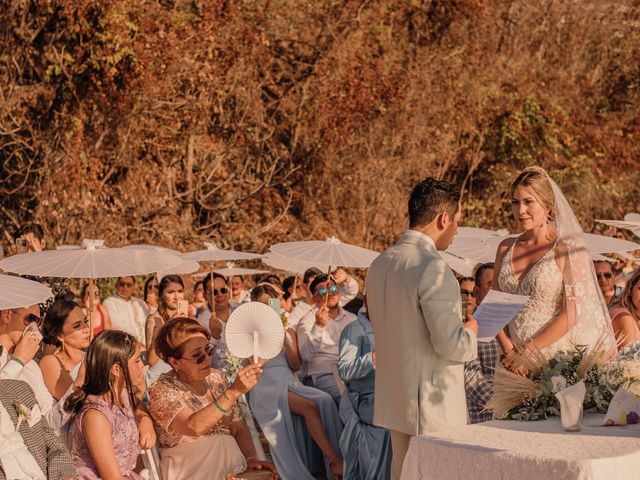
(526, 450)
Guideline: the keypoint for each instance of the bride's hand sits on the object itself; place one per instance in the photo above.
(509, 362)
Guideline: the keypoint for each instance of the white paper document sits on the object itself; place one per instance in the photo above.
(496, 311)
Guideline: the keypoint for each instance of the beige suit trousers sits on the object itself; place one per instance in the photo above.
(399, 445)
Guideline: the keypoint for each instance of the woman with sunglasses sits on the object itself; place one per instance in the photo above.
(198, 424)
(216, 287)
(625, 313)
(279, 396)
(100, 315)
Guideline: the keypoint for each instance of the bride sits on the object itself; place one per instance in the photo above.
(550, 263)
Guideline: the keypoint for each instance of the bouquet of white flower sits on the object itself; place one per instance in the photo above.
(532, 397)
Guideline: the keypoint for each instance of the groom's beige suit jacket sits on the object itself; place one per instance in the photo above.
(414, 305)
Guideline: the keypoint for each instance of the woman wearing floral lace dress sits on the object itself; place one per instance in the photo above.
(549, 263)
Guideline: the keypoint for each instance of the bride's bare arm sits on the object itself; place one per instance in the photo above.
(505, 245)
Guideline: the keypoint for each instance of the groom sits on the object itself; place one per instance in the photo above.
(415, 310)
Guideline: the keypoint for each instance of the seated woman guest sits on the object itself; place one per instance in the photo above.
(198, 297)
(110, 425)
(150, 296)
(216, 322)
(66, 328)
(292, 289)
(625, 313)
(278, 395)
(171, 304)
(194, 410)
(366, 448)
(100, 315)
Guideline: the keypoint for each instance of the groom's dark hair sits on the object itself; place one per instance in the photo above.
(431, 197)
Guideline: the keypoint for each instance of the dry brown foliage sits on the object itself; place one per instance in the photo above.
(253, 121)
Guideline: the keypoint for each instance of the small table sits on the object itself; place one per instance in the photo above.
(526, 450)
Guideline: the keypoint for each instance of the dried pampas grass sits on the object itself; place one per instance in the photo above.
(509, 391)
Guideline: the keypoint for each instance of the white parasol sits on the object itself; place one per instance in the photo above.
(19, 292)
(477, 245)
(182, 268)
(484, 249)
(604, 244)
(462, 266)
(290, 265)
(90, 260)
(254, 329)
(631, 222)
(328, 253)
(232, 270)
(596, 257)
(214, 254)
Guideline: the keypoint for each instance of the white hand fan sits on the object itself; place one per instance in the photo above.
(254, 329)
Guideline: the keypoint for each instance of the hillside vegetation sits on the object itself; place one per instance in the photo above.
(254, 121)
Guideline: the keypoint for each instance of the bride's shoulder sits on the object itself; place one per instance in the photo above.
(503, 248)
(561, 252)
(506, 244)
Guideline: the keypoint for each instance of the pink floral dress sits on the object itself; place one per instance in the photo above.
(124, 432)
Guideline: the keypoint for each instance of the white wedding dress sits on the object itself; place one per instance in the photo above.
(544, 284)
(575, 289)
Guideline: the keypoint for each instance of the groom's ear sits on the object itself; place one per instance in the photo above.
(442, 220)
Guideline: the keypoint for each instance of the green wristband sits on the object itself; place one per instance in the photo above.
(218, 406)
(16, 359)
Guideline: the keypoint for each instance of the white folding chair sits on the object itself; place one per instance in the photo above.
(248, 418)
(151, 462)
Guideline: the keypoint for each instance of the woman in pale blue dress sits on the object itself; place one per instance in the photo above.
(278, 395)
(365, 447)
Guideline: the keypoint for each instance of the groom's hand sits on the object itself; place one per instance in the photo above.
(471, 324)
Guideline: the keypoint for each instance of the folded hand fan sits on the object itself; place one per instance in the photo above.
(254, 329)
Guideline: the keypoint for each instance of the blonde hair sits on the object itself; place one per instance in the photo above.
(537, 179)
(626, 300)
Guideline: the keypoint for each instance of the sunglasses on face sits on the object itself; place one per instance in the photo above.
(466, 293)
(606, 275)
(126, 284)
(323, 291)
(200, 357)
(222, 291)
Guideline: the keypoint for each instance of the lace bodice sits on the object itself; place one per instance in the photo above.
(544, 284)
